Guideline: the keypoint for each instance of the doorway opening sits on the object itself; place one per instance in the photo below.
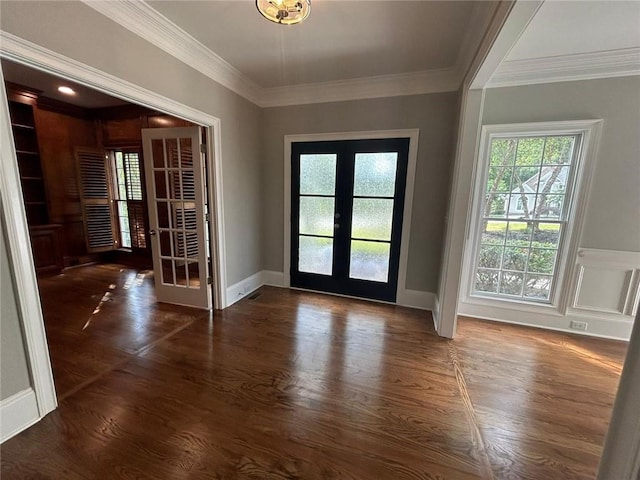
(82, 176)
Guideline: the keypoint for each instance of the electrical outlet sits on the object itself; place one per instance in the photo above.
(578, 325)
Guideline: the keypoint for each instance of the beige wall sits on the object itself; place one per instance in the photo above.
(79, 32)
(14, 375)
(613, 213)
(434, 115)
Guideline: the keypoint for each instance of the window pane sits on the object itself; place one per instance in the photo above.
(315, 255)
(375, 174)
(487, 281)
(541, 261)
(369, 261)
(316, 215)
(549, 206)
(318, 174)
(494, 232)
(559, 150)
(490, 256)
(503, 151)
(546, 235)
(518, 234)
(515, 258)
(167, 272)
(499, 179)
(530, 151)
(372, 218)
(132, 169)
(538, 286)
(511, 283)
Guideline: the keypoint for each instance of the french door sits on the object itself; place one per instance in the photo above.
(174, 170)
(346, 215)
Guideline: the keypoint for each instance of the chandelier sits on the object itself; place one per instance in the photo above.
(285, 12)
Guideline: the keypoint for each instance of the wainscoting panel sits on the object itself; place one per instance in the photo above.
(607, 284)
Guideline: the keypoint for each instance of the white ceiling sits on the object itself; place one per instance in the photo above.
(340, 40)
(576, 27)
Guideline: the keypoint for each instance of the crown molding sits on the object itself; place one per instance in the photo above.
(149, 24)
(415, 83)
(582, 66)
(146, 22)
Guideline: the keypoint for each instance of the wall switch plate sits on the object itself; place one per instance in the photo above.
(578, 325)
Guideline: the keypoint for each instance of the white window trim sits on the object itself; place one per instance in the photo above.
(413, 136)
(568, 249)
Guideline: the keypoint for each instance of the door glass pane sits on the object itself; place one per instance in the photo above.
(372, 218)
(194, 274)
(369, 260)
(157, 150)
(172, 153)
(186, 154)
(316, 215)
(318, 174)
(375, 174)
(167, 271)
(161, 184)
(315, 255)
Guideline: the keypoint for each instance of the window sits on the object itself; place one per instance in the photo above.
(128, 199)
(525, 201)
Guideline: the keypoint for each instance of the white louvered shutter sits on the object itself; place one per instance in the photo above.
(94, 180)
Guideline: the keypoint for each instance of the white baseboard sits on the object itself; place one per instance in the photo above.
(597, 326)
(17, 413)
(272, 278)
(239, 290)
(417, 299)
(236, 292)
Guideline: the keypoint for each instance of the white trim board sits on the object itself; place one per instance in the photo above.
(411, 134)
(32, 55)
(565, 68)
(22, 268)
(149, 24)
(17, 413)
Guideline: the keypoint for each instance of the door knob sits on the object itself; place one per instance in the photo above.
(152, 232)
(336, 225)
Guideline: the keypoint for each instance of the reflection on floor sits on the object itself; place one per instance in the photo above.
(294, 385)
(97, 317)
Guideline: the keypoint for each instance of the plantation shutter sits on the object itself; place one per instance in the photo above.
(94, 180)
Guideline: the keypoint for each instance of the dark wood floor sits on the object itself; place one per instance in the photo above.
(293, 385)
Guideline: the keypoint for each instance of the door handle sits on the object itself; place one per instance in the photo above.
(152, 232)
(336, 225)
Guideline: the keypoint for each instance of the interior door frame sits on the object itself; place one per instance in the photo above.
(35, 56)
(413, 136)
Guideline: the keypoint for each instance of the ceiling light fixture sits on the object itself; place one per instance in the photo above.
(284, 12)
(67, 90)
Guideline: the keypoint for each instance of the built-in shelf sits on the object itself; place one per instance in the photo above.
(29, 163)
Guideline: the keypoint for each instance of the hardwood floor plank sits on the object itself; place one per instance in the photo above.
(296, 385)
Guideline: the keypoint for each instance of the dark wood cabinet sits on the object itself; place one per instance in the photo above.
(46, 245)
(29, 162)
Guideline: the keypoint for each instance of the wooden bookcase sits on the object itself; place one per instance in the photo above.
(29, 164)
